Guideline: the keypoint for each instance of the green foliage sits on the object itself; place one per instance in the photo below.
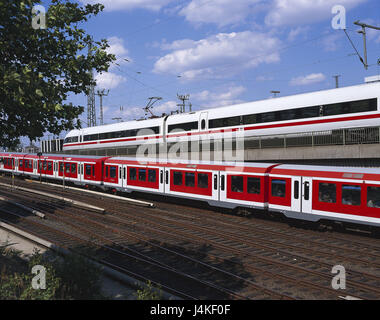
(39, 68)
(73, 277)
(148, 292)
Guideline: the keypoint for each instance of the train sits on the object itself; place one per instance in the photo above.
(327, 110)
(301, 192)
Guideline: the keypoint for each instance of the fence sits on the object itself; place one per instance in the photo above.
(346, 136)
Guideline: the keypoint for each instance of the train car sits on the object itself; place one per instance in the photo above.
(9, 162)
(349, 107)
(220, 184)
(318, 192)
(116, 135)
(302, 192)
(81, 170)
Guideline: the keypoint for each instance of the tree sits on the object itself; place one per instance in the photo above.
(41, 67)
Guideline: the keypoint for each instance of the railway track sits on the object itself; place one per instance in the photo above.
(124, 258)
(259, 259)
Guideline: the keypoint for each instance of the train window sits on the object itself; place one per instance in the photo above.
(268, 117)
(333, 109)
(146, 131)
(296, 189)
(71, 139)
(373, 197)
(351, 195)
(73, 168)
(93, 170)
(327, 192)
(237, 184)
(112, 172)
(142, 174)
(107, 171)
(49, 166)
(189, 179)
(202, 180)
(61, 166)
(167, 177)
(278, 188)
(67, 167)
(184, 126)
(161, 176)
(222, 183)
(152, 175)
(177, 178)
(290, 114)
(363, 105)
(224, 122)
(21, 164)
(132, 173)
(306, 190)
(253, 185)
(88, 170)
(215, 182)
(232, 121)
(309, 112)
(249, 119)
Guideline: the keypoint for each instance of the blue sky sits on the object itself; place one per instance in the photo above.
(224, 52)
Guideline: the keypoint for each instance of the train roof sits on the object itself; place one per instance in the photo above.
(135, 124)
(53, 156)
(203, 165)
(355, 173)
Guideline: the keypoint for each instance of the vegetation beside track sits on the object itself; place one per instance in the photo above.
(69, 278)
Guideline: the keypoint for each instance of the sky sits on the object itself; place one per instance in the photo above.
(224, 52)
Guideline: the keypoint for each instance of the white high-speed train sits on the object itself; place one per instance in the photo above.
(348, 107)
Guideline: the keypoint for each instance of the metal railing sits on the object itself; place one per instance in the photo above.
(346, 136)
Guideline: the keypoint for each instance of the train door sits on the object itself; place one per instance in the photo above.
(167, 180)
(307, 184)
(301, 194)
(215, 185)
(222, 186)
(121, 176)
(80, 171)
(161, 177)
(124, 183)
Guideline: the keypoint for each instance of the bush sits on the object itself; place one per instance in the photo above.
(148, 292)
(72, 277)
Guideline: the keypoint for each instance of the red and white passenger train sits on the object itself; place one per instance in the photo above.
(298, 191)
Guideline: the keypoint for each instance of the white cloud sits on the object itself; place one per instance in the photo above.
(116, 47)
(219, 55)
(226, 96)
(332, 42)
(296, 12)
(112, 5)
(296, 32)
(108, 80)
(221, 12)
(309, 79)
